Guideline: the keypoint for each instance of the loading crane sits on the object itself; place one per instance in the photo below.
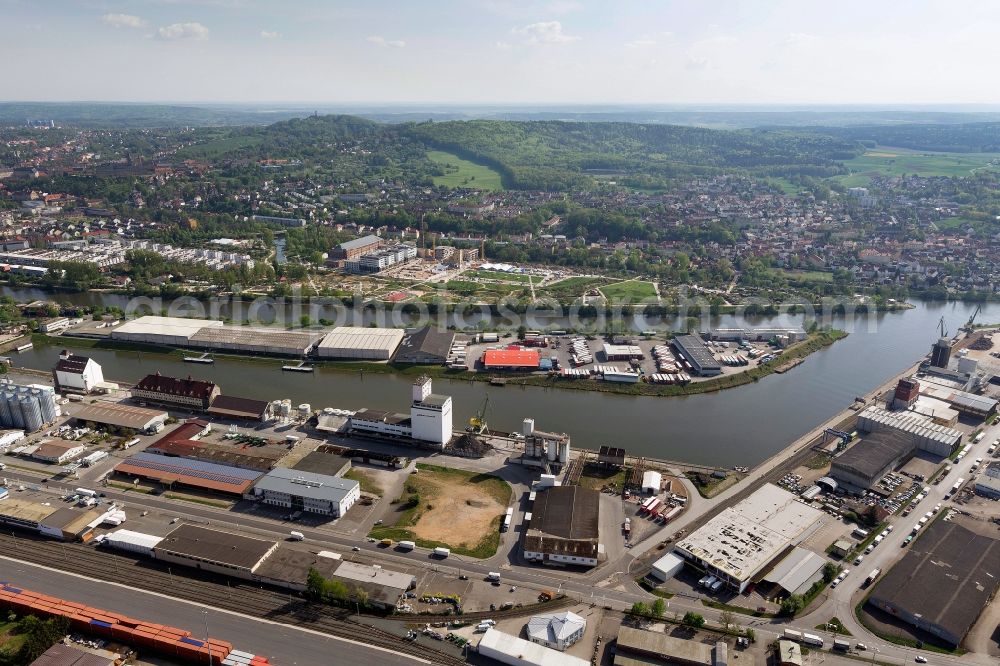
(477, 424)
(944, 331)
(970, 325)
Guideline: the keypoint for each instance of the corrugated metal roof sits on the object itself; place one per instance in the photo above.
(189, 472)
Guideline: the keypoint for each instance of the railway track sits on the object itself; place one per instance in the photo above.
(212, 590)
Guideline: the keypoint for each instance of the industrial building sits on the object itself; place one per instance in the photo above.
(381, 259)
(240, 409)
(357, 343)
(638, 647)
(511, 359)
(797, 572)
(117, 415)
(430, 418)
(190, 473)
(558, 631)
(191, 394)
(621, 352)
(353, 249)
(213, 550)
(324, 462)
(988, 483)
(514, 651)
(944, 581)
(59, 522)
(667, 567)
(298, 490)
(61, 654)
(383, 587)
(743, 541)
(77, 373)
(790, 335)
(427, 346)
(27, 407)
(545, 449)
(870, 458)
(58, 452)
(565, 522)
(922, 432)
(183, 442)
(170, 331)
(255, 340)
(697, 354)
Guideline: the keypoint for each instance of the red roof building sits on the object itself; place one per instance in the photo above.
(511, 359)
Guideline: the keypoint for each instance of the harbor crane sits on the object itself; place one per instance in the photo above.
(970, 325)
(944, 331)
(477, 424)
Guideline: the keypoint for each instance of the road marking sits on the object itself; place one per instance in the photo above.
(218, 610)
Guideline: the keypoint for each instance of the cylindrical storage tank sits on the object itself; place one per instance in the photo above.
(47, 401)
(305, 409)
(564, 453)
(16, 416)
(528, 427)
(32, 412)
(5, 417)
(553, 451)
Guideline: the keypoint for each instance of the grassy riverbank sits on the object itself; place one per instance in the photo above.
(813, 343)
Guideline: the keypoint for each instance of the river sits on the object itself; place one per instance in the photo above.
(740, 426)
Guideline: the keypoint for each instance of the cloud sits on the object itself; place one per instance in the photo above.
(504, 46)
(797, 39)
(697, 63)
(270, 34)
(544, 32)
(386, 43)
(183, 31)
(124, 21)
(641, 43)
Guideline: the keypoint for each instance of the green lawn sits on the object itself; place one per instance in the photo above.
(632, 291)
(887, 161)
(806, 276)
(463, 173)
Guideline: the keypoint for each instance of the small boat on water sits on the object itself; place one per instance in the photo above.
(204, 358)
(301, 367)
(24, 347)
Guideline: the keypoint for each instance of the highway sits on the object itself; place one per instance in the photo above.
(282, 644)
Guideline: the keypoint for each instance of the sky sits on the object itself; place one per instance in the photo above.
(560, 52)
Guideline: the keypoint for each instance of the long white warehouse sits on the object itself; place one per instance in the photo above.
(359, 343)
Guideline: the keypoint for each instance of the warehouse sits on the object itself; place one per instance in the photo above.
(921, 430)
(240, 409)
(64, 523)
(639, 647)
(428, 346)
(77, 373)
(743, 540)
(248, 340)
(621, 352)
(58, 452)
(695, 352)
(430, 418)
(515, 651)
(988, 483)
(944, 581)
(214, 550)
(122, 416)
(190, 473)
(259, 458)
(564, 527)
(172, 331)
(667, 567)
(297, 490)
(797, 572)
(189, 393)
(870, 458)
(558, 631)
(324, 462)
(511, 359)
(384, 588)
(357, 343)
(133, 542)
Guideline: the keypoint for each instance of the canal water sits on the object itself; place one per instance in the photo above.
(740, 426)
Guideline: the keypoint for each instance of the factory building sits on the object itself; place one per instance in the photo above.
(191, 394)
(80, 374)
(216, 336)
(240, 409)
(199, 474)
(357, 343)
(697, 354)
(514, 651)
(170, 331)
(790, 335)
(426, 346)
(353, 249)
(621, 352)
(988, 483)
(797, 572)
(297, 490)
(745, 540)
(564, 529)
(430, 419)
(944, 581)
(870, 458)
(183, 442)
(213, 550)
(639, 647)
(511, 359)
(117, 415)
(59, 522)
(27, 407)
(58, 452)
(941, 353)
(923, 432)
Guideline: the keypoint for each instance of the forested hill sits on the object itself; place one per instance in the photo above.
(553, 152)
(945, 138)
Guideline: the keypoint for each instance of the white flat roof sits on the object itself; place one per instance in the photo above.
(519, 651)
(360, 337)
(740, 540)
(133, 538)
(369, 574)
(173, 326)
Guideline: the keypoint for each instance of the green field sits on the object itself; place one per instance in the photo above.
(896, 161)
(806, 276)
(632, 291)
(463, 173)
(500, 277)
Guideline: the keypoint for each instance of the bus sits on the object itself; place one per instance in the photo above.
(87, 492)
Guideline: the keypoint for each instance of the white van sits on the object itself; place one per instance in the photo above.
(296, 536)
(493, 577)
(442, 552)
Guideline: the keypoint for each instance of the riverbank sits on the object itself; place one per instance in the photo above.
(790, 357)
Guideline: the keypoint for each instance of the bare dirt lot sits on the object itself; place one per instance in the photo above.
(450, 507)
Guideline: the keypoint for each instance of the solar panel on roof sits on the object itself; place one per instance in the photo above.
(195, 468)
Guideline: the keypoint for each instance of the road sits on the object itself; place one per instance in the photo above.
(282, 644)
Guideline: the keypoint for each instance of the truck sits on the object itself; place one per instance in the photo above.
(130, 443)
(812, 639)
(872, 576)
(841, 645)
(86, 491)
(406, 545)
(442, 552)
(385, 543)
(493, 577)
(792, 635)
(94, 458)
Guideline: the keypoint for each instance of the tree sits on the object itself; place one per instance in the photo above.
(792, 605)
(750, 634)
(659, 607)
(640, 608)
(830, 571)
(361, 596)
(693, 620)
(315, 584)
(727, 619)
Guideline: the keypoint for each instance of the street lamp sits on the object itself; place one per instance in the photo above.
(207, 641)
